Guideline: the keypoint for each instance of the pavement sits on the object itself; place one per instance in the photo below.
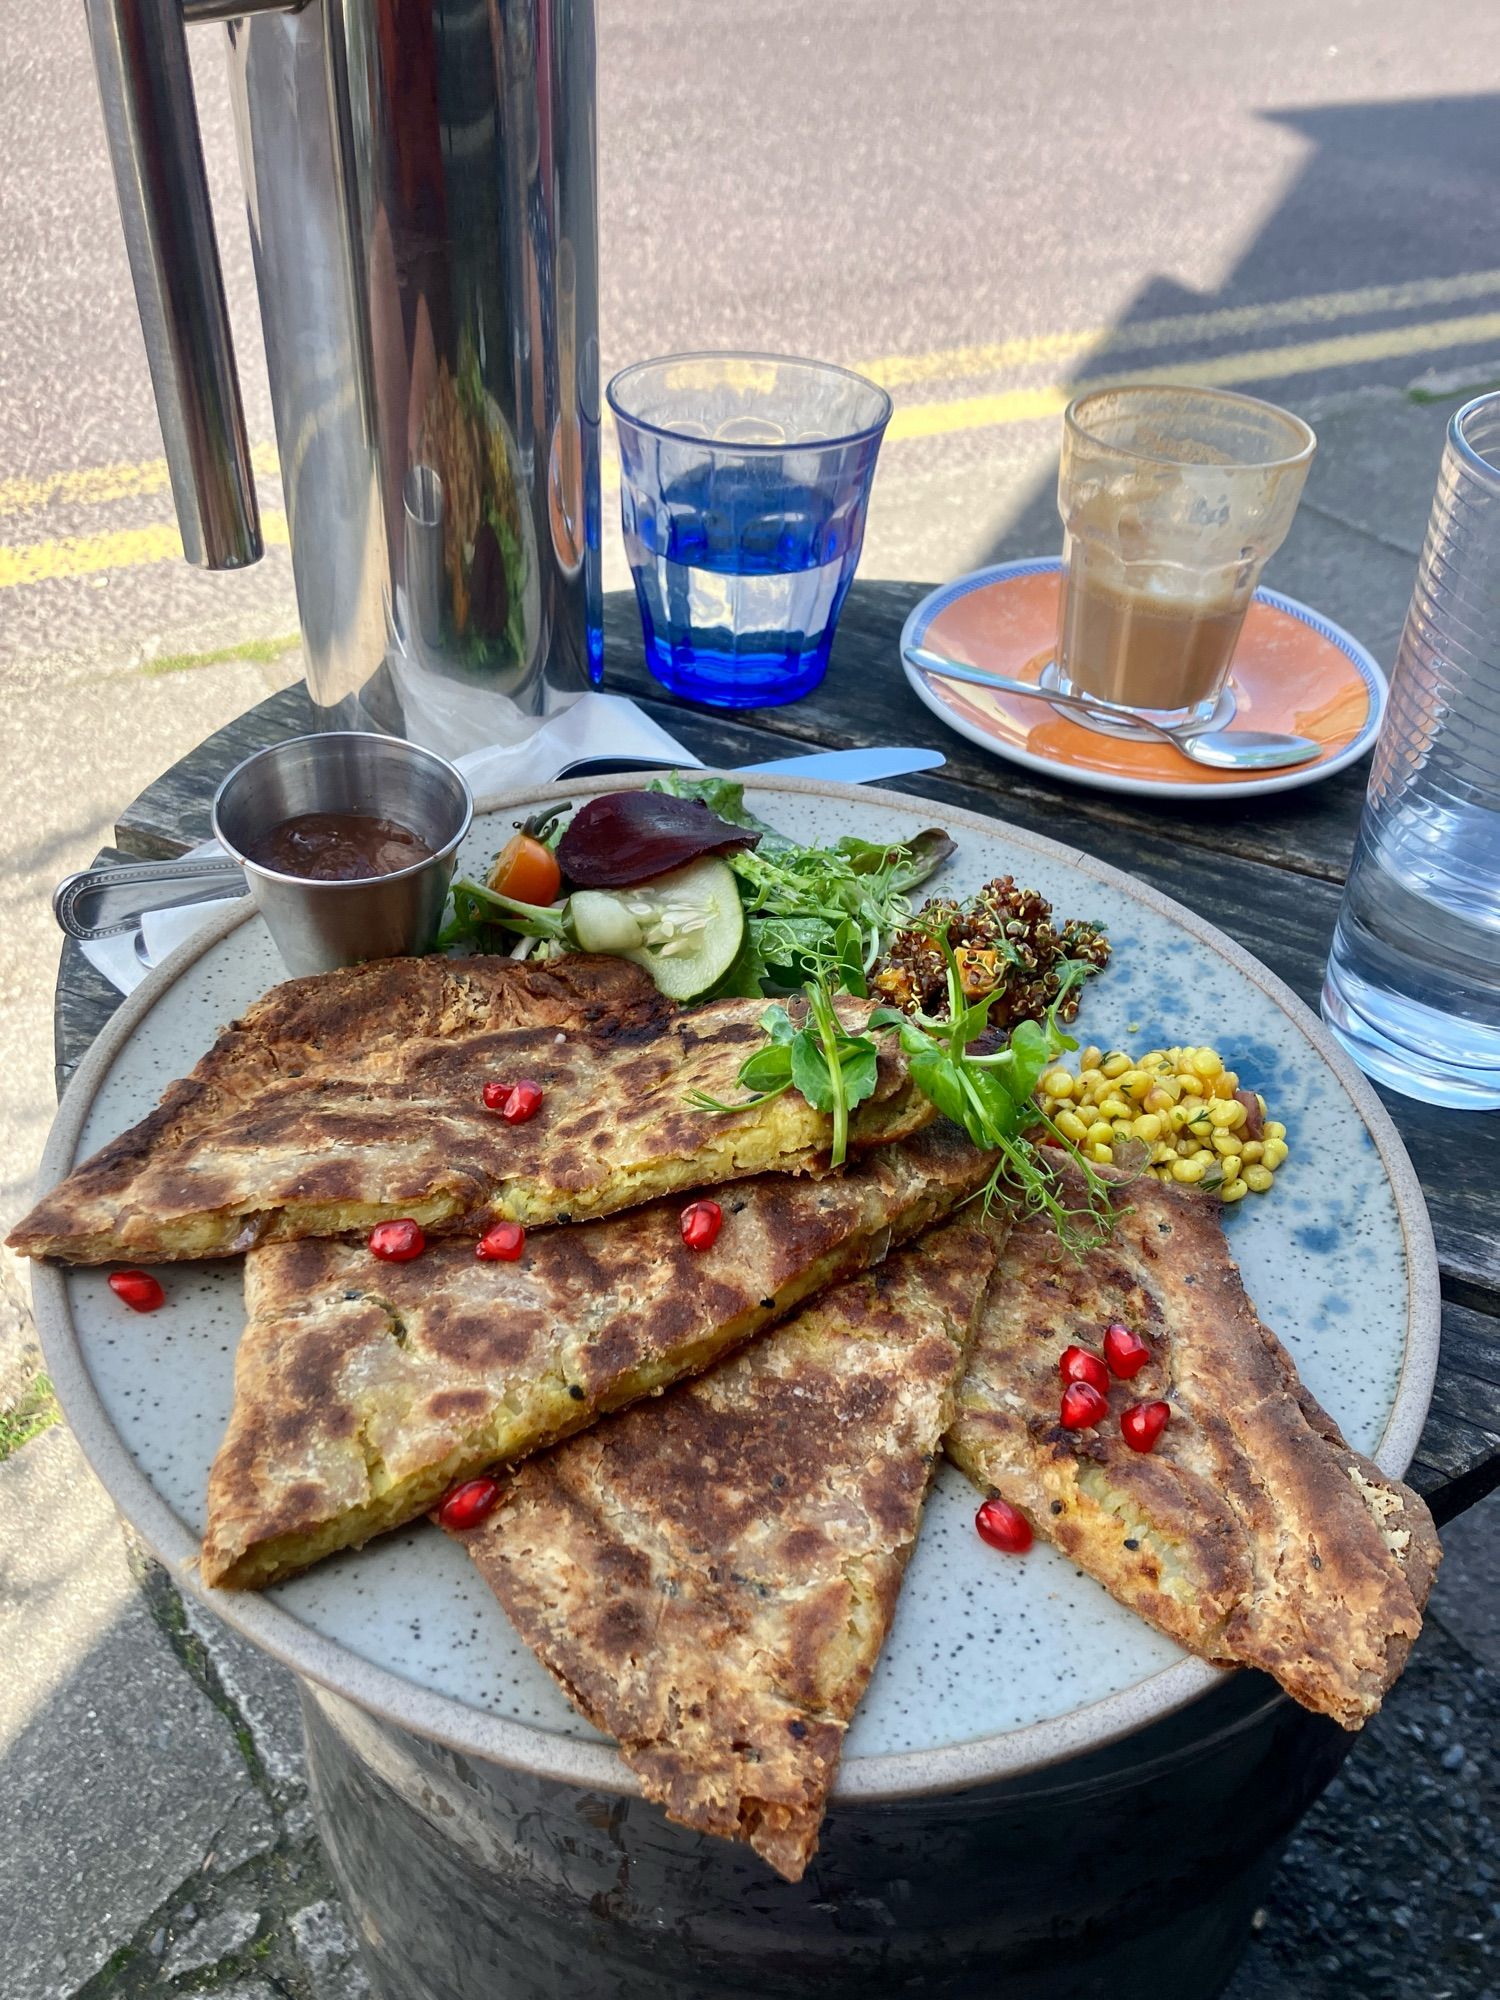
(981, 206)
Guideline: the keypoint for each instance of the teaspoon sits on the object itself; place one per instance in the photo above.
(1220, 749)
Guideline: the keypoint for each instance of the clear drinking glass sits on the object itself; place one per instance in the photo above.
(1171, 499)
(744, 480)
(1413, 985)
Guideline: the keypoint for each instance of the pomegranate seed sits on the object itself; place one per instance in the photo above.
(1143, 1423)
(1077, 1364)
(467, 1505)
(700, 1223)
(524, 1101)
(503, 1244)
(397, 1242)
(137, 1289)
(1126, 1353)
(494, 1095)
(1082, 1405)
(1003, 1527)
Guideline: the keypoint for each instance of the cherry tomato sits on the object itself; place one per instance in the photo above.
(527, 869)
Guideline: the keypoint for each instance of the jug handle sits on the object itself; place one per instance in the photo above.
(151, 122)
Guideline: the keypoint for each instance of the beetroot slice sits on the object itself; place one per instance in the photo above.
(628, 837)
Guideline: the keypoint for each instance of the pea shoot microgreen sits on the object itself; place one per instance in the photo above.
(990, 1094)
(832, 1069)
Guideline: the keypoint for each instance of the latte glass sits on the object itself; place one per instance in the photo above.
(1172, 499)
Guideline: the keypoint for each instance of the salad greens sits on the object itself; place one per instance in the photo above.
(779, 918)
(811, 913)
(621, 839)
(685, 927)
(990, 1094)
(832, 1069)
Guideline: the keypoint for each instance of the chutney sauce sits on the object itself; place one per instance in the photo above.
(337, 847)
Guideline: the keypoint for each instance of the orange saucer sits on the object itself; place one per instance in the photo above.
(1292, 671)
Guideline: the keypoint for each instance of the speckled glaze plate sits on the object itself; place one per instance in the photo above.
(994, 1665)
(1292, 670)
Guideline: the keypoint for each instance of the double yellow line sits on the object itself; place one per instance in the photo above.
(130, 548)
(1263, 364)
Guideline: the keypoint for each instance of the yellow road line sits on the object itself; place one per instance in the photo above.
(1263, 364)
(129, 548)
(97, 485)
(124, 548)
(955, 363)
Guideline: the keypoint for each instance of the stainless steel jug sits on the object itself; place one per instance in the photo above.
(420, 177)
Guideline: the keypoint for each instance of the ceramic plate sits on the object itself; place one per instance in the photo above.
(1292, 671)
(993, 1664)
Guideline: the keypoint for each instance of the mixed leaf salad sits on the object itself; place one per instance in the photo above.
(683, 879)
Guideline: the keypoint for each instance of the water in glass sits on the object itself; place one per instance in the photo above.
(1413, 986)
(740, 590)
(744, 480)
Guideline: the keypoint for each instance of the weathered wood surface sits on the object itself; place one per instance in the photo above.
(1265, 870)
(866, 699)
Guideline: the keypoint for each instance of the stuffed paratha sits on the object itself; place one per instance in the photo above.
(1251, 1533)
(363, 1390)
(711, 1576)
(344, 1123)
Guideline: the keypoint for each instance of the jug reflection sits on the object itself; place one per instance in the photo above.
(420, 176)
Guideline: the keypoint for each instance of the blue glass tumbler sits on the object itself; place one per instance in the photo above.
(744, 480)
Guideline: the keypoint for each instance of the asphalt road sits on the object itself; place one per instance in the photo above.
(972, 198)
(982, 201)
(982, 204)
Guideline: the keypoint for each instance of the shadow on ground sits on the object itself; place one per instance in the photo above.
(1326, 221)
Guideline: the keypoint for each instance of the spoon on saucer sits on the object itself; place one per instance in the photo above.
(1220, 749)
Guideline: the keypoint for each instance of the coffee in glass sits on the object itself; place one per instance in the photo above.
(1171, 499)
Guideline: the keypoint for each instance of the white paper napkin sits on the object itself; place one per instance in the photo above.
(596, 725)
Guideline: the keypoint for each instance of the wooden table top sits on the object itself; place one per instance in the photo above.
(1265, 870)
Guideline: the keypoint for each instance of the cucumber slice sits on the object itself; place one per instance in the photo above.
(601, 922)
(691, 925)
